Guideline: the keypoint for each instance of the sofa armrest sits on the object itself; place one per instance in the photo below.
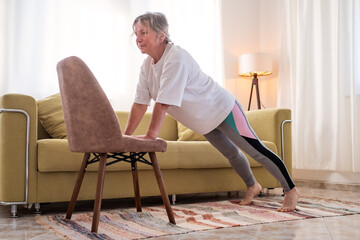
(18, 137)
(274, 125)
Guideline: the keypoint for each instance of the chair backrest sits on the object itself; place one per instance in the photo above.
(91, 123)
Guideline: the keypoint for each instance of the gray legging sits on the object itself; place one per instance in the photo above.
(235, 132)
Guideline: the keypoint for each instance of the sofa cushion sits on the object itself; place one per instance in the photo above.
(191, 155)
(51, 116)
(186, 134)
(54, 156)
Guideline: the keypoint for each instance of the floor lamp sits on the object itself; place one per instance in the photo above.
(255, 65)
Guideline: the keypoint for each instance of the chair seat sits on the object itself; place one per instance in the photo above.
(122, 144)
(133, 144)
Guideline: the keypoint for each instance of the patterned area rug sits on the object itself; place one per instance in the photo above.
(153, 221)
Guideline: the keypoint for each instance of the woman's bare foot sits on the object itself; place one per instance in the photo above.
(290, 200)
(251, 192)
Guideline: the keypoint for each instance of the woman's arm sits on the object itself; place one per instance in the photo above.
(136, 114)
(157, 119)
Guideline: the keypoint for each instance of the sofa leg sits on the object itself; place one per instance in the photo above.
(13, 210)
(261, 194)
(173, 199)
(37, 208)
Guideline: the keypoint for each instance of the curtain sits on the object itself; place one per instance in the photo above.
(319, 82)
(36, 34)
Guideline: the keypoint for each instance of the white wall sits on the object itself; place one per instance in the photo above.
(251, 26)
(254, 26)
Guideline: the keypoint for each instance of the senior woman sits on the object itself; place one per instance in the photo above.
(173, 79)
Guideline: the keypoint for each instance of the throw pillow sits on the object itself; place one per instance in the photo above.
(51, 115)
(186, 134)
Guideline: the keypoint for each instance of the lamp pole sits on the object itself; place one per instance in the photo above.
(255, 82)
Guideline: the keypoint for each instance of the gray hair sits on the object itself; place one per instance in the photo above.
(156, 21)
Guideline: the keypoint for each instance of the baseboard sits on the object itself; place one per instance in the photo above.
(327, 179)
(327, 185)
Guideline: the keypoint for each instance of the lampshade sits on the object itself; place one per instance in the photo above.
(251, 63)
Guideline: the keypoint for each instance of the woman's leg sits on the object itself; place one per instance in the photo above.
(237, 160)
(238, 130)
(236, 127)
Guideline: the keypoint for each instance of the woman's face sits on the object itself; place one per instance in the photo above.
(146, 38)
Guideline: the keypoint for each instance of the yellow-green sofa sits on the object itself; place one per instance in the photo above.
(36, 168)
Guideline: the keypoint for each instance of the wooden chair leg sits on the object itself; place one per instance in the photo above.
(162, 188)
(136, 186)
(77, 186)
(99, 192)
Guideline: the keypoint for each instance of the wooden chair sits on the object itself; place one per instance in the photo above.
(93, 129)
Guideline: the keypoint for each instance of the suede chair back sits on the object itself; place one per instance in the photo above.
(91, 123)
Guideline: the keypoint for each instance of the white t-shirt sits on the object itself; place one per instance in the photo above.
(195, 99)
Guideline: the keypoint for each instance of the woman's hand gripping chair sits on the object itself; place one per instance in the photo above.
(93, 129)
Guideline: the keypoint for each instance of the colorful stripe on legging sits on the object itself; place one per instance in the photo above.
(237, 121)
